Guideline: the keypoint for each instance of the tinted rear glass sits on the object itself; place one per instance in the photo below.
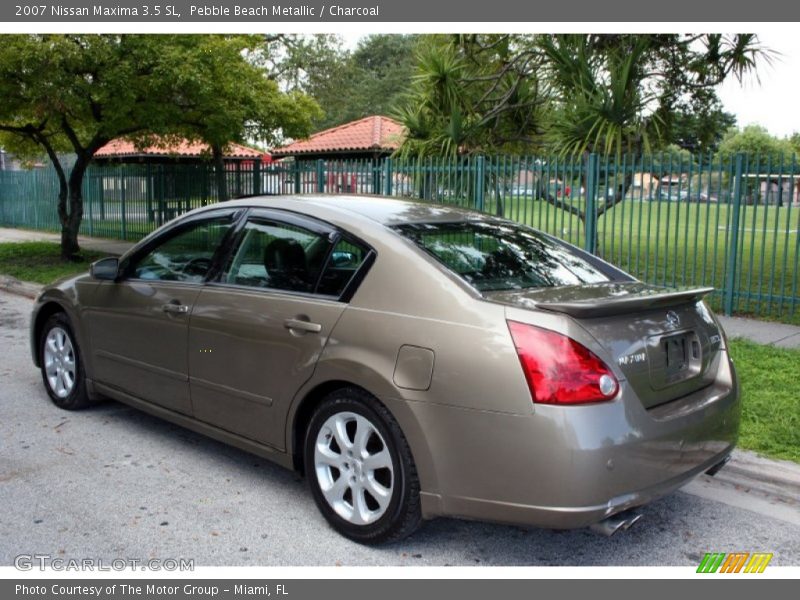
(493, 256)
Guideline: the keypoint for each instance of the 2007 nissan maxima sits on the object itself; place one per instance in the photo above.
(413, 360)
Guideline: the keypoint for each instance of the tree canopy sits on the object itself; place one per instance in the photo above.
(610, 94)
(701, 130)
(349, 85)
(756, 141)
(78, 92)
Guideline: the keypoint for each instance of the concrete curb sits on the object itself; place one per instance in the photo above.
(746, 471)
(21, 288)
(749, 472)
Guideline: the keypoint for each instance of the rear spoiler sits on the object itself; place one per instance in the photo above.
(603, 307)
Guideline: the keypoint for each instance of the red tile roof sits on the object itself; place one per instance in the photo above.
(370, 133)
(126, 148)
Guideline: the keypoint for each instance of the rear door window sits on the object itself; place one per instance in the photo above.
(493, 256)
(346, 259)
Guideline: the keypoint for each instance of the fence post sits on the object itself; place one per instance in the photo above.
(257, 177)
(123, 194)
(90, 199)
(590, 225)
(387, 177)
(102, 195)
(297, 171)
(480, 179)
(160, 188)
(376, 177)
(151, 217)
(320, 176)
(733, 246)
(36, 215)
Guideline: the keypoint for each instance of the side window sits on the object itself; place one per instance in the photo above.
(185, 256)
(346, 258)
(277, 256)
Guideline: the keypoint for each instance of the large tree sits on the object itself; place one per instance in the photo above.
(569, 94)
(756, 141)
(382, 66)
(609, 94)
(347, 84)
(474, 94)
(224, 94)
(78, 92)
(700, 130)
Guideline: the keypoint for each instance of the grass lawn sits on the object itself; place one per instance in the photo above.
(40, 262)
(682, 243)
(770, 398)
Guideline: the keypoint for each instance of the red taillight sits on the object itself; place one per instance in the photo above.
(559, 370)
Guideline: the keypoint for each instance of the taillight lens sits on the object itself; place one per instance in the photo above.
(559, 370)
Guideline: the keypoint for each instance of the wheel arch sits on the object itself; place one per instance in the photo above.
(49, 308)
(302, 415)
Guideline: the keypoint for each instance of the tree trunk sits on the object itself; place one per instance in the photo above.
(220, 174)
(499, 209)
(619, 194)
(542, 192)
(69, 243)
(69, 232)
(70, 209)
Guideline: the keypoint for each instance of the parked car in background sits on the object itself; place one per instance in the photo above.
(672, 192)
(412, 360)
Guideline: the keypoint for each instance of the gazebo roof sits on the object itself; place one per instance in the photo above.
(123, 148)
(375, 133)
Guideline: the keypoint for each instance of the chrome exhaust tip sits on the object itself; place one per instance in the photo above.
(618, 522)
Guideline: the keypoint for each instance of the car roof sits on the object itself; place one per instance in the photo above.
(381, 209)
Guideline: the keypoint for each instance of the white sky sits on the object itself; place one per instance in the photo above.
(774, 102)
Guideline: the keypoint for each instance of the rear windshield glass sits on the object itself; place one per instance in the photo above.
(493, 256)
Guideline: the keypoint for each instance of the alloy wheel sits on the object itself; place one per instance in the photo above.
(60, 362)
(354, 468)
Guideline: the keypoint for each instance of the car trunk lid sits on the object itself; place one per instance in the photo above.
(663, 340)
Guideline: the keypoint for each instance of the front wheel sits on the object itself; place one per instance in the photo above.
(62, 369)
(360, 469)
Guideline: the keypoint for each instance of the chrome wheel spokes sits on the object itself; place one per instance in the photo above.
(354, 468)
(60, 362)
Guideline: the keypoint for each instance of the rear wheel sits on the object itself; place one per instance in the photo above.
(61, 365)
(360, 469)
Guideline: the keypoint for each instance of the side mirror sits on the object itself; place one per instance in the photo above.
(105, 269)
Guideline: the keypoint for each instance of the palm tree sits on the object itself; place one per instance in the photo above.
(575, 95)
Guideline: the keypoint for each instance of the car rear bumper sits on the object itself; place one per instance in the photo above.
(557, 517)
(565, 467)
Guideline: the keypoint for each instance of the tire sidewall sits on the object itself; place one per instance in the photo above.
(348, 401)
(77, 397)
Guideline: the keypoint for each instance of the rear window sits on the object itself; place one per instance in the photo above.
(493, 256)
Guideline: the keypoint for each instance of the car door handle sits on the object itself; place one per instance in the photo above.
(300, 325)
(175, 308)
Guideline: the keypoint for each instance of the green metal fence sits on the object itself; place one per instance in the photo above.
(667, 219)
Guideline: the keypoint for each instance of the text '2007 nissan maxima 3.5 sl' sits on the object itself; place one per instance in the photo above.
(412, 360)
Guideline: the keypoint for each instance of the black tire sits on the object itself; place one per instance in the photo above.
(77, 397)
(403, 515)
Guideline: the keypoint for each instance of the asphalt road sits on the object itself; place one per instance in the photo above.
(111, 482)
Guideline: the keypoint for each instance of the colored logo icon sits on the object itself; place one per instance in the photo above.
(734, 562)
